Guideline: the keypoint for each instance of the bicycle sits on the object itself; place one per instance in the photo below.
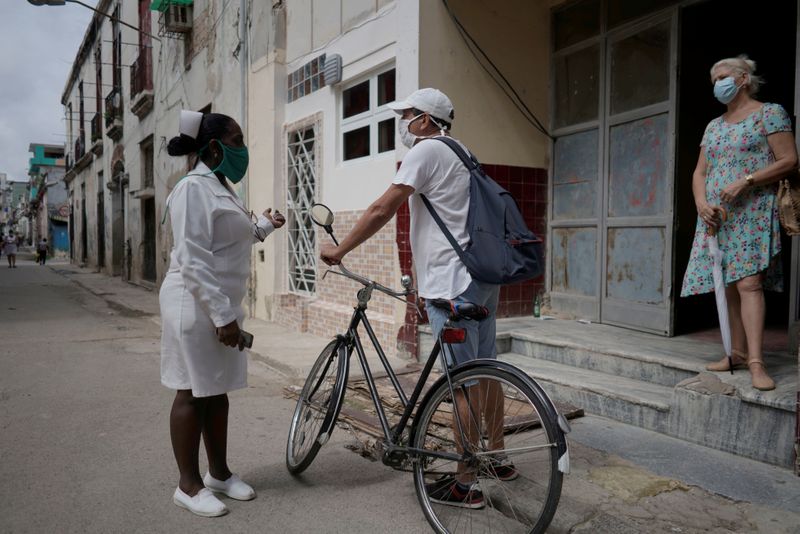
(484, 420)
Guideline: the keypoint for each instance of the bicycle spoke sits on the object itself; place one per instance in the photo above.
(315, 403)
(509, 456)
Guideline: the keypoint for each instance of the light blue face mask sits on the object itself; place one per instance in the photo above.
(726, 89)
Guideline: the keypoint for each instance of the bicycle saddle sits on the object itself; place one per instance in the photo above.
(462, 310)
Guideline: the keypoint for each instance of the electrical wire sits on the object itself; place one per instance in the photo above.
(494, 73)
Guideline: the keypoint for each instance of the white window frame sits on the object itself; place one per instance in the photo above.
(372, 117)
(304, 250)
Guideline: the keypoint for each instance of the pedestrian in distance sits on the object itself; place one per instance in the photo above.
(433, 169)
(42, 250)
(200, 299)
(10, 248)
(744, 152)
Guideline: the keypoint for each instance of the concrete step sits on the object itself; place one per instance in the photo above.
(624, 399)
(632, 377)
(625, 357)
(639, 365)
(734, 423)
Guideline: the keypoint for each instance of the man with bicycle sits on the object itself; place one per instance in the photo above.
(433, 169)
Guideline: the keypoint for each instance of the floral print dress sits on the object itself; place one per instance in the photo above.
(750, 239)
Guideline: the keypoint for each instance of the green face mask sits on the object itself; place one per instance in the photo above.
(234, 162)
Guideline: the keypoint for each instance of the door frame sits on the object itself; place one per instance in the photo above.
(794, 276)
(612, 310)
(596, 308)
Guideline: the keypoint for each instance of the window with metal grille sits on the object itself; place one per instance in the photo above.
(302, 190)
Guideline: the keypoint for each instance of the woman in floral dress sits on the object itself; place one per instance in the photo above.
(743, 154)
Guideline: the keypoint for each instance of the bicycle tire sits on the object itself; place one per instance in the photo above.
(315, 415)
(526, 504)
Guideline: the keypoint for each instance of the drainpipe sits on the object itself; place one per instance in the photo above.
(244, 60)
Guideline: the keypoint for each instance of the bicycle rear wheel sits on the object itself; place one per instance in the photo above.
(317, 407)
(509, 452)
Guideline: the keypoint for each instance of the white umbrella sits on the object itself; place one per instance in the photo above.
(719, 289)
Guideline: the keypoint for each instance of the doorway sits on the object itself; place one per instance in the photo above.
(71, 228)
(708, 32)
(149, 239)
(101, 222)
(84, 227)
(117, 218)
(612, 214)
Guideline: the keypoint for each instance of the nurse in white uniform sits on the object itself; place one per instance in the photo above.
(201, 343)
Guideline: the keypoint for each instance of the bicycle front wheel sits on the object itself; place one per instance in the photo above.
(493, 436)
(317, 407)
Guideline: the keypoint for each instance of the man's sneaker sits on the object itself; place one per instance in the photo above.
(447, 490)
(502, 469)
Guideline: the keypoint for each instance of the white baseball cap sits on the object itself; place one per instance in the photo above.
(431, 101)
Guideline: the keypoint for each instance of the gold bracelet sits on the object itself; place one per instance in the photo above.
(749, 179)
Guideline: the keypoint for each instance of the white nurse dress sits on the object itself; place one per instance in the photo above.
(207, 279)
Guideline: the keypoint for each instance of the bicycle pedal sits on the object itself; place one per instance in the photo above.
(394, 458)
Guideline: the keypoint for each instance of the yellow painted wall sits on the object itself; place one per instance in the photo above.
(515, 34)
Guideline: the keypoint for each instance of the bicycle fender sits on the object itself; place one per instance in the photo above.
(344, 369)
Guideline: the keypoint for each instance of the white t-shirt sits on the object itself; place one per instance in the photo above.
(434, 170)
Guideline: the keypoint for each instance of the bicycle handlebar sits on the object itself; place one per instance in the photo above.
(366, 282)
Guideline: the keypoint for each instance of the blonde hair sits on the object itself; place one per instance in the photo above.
(741, 65)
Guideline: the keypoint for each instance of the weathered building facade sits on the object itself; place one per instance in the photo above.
(589, 111)
(121, 105)
(576, 107)
(108, 103)
(49, 206)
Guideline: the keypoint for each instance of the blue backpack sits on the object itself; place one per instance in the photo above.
(501, 249)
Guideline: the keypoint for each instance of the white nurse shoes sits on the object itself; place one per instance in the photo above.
(234, 487)
(204, 503)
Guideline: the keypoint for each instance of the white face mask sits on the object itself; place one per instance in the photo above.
(407, 138)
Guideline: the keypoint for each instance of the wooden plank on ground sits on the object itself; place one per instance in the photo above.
(359, 412)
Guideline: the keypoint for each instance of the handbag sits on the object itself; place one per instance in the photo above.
(789, 203)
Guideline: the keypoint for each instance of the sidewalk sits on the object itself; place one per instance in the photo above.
(623, 479)
(288, 353)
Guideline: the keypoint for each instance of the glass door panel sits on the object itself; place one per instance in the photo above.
(637, 249)
(640, 69)
(638, 162)
(574, 261)
(577, 79)
(575, 176)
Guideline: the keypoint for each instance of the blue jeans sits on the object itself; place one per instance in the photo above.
(480, 342)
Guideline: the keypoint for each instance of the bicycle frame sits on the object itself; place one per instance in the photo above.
(353, 341)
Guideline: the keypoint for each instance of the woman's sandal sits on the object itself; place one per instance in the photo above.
(739, 362)
(761, 383)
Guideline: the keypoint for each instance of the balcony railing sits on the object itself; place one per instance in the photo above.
(96, 127)
(113, 109)
(80, 148)
(142, 73)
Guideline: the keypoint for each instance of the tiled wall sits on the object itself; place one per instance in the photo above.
(529, 188)
(407, 339)
(307, 79)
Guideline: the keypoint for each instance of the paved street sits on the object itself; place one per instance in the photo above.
(84, 443)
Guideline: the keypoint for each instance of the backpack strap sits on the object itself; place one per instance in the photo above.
(467, 158)
(441, 225)
(471, 163)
